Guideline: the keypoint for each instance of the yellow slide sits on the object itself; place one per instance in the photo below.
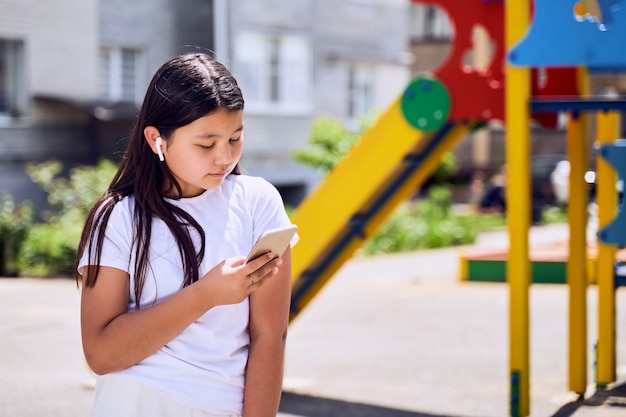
(386, 167)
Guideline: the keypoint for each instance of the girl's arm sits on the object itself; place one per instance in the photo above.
(269, 318)
(114, 339)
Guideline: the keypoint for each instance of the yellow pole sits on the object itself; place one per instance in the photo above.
(463, 267)
(517, 95)
(577, 154)
(608, 127)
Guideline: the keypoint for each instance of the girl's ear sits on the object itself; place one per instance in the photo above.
(152, 136)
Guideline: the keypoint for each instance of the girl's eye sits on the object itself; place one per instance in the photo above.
(233, 140)
(206, 147)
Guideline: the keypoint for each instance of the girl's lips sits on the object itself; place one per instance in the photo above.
(219, 174)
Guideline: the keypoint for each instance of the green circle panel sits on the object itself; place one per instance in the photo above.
(426, 103)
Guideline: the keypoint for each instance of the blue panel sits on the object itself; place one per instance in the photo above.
(576, 104)
(557, 38)
(615, 232)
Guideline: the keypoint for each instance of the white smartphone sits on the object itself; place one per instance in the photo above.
(274, 241)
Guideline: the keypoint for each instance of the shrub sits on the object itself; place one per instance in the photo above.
(80, 190)
(14, 225)
(424, 224)
(446, 168)
(50, 247)
(49, 250)
(329, 141)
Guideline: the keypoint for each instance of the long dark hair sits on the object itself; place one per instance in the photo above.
(184, 89)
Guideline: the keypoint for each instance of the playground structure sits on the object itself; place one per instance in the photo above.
(396, 155)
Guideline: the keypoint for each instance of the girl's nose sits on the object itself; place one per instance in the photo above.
(224, 155)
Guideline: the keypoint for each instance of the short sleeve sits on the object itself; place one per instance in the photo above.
(116, 247)
(267, 208)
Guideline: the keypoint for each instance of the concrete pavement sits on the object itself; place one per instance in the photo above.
(392, 336)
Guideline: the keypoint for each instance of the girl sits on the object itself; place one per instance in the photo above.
(173, 321)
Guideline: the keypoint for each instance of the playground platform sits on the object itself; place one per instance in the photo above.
(548, 263)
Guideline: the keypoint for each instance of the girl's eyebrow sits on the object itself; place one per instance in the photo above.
(209, 135)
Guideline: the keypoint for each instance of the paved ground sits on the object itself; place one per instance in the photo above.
(392, 336)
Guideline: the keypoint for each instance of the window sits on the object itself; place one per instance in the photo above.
(120, 74)
(429, 23)
(360, 90)
(274, 71)
(12, 82)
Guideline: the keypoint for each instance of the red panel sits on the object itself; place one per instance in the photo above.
(557, 82)
(476, 94)
(479, 94)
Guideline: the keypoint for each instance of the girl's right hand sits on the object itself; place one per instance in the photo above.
(232, 280)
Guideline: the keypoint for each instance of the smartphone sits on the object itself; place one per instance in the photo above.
(274, 241)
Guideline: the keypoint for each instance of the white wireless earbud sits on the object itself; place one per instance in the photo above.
(158, 143)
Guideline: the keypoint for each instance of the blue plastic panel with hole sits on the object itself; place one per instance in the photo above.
(589, 33)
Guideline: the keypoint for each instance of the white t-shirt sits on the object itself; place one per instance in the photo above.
(203, 367)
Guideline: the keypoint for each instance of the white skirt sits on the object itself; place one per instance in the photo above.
(116, 397)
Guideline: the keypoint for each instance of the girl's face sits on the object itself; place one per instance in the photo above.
(201, 154)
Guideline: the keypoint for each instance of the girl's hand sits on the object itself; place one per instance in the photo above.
(231, 281)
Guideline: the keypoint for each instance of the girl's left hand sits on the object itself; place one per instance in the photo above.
(233, 280)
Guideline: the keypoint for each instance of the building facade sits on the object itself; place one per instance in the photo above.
(48, 60)
(301, 59)
(73, 72)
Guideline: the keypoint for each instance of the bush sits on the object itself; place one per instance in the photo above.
(554, 214)
(424, 224)
(80, 191)
(446, 168)
(329, 141)
(50, 248)
(14, 225)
